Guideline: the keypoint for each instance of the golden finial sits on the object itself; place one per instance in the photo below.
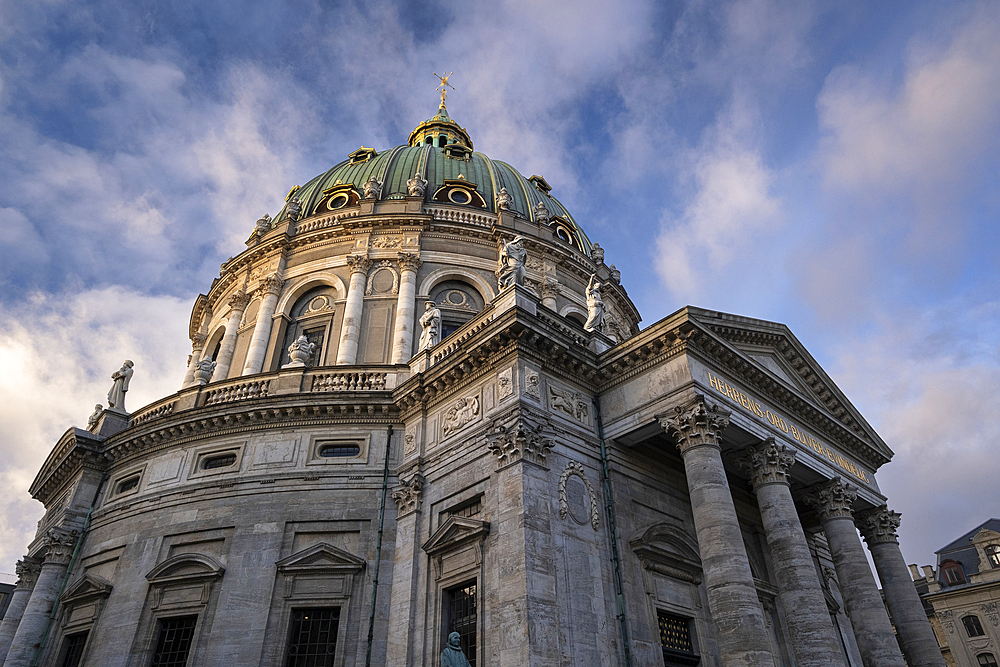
(444, 85)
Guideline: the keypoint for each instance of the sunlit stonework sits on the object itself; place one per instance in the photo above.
(421, 422)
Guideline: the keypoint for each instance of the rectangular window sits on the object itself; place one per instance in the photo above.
(972, 626)
(468, 510)
(675, 638)
(174, 641)
(461, 617)
(312, 637)
(73, 649)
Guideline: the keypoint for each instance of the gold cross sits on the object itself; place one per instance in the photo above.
(444, 85)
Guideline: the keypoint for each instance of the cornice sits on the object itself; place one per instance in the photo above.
(76, 450)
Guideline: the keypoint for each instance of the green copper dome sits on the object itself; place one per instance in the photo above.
(438, 161)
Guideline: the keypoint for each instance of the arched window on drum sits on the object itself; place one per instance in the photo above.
(312, 317)
(458, 302)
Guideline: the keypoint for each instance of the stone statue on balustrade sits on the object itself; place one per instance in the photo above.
(430, 321)
(510, 266)
(95, 417)
(595, 306)
(203, 371)
(416, 186)
(372, 188)
(116, 396)
(299, 352)
(452, 655)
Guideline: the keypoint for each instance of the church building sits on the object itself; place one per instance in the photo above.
(421, 424)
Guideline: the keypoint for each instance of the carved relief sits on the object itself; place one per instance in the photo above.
(407, 495)
(379, 280)
(505, 384)
(409, 443)
(990, 609)
(531, 384)
(576, 469)
(569, 403)
(519, 442)
(464, 410)
(386, 242)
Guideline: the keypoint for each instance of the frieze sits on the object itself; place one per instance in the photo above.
(569, 403)
(505, 384)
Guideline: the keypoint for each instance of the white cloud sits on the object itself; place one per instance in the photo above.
(57, 354)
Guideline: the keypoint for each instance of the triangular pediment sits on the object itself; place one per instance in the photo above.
(185, 567)
(321, 557)
(455, 531)
(86, 587)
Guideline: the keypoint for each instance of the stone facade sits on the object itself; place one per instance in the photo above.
(677, 495)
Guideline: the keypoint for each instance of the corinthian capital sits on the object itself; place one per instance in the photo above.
(407, 495)
(27, 570)
(697, 424)
(359, 263)
(59, 543)
(878, 526)
(271, 284)
(768, 463)
(833, 499)
(239, 300)
(549, 288)
(198, 341)
(408, 261)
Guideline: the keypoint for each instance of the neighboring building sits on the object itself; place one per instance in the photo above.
(962, 596)
(566, 489)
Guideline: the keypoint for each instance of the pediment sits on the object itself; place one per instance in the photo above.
(185, 567)
(454, 532)
(85, 588)
(321, 557)
(668, 549)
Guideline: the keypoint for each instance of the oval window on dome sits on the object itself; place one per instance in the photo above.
(127, 485)
(338, 450)
(459, 196)
(219, 461)
(338, 201)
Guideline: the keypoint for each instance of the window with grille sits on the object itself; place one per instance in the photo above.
(461, 618)
(312, 637)
(73, 649)
(675, 638)
(972, 626)
(986, 660)
(174, 641)
(468, 510)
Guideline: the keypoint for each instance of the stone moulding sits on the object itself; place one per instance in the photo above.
(574, 468)
(455, 533)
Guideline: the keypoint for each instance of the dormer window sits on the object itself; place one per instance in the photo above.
(362, 155)
(952, 572)
(993, 555)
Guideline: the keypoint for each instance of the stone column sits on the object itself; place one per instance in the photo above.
(876, 640)
(549, 290)
(732, 597)
(878, 527)
(404, 619)
(271, 288)
(27, 573)
(197, 343)
(59, 544)
(237, 304)
(350, 332)
(402, 336)
(809, 626)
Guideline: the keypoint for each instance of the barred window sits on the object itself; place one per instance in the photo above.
(461, 617)
(174, 641)
(73, 649)
(675, 638)
(312, 638)
(469, 509)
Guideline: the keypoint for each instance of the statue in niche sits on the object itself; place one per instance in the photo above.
(595, 306)
(293, 208)
(541, 213)
(452, 655)
(510, 266)
(430, 321)
(372, 188)
(121, 377)
(416, 186)
(92, 420)
(504, 200)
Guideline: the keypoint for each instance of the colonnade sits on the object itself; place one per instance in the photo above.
(737, 615)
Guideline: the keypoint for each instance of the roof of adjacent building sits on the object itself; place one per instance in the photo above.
(963, 551)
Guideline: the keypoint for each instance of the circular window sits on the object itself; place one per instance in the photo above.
(330, 451)
(459, 196)
(338, 201)
(319, 303)
(221, 461)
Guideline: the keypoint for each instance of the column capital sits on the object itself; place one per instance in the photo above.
(833, 499)
(239, 300)
(408, 261)
(27, 570)
(549, 288)
(407, 495)
(198, 340)
(768, 463)
(878, 526)
(519, 442)
(59, 544)
(696, 424)
(271, 284)
(359, 263)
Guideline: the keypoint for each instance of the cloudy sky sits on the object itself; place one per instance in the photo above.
(829, 165)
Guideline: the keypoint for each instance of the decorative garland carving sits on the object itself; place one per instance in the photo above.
(380, 266)
(576, 469)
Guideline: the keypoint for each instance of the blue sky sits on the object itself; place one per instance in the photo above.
(828, 165)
